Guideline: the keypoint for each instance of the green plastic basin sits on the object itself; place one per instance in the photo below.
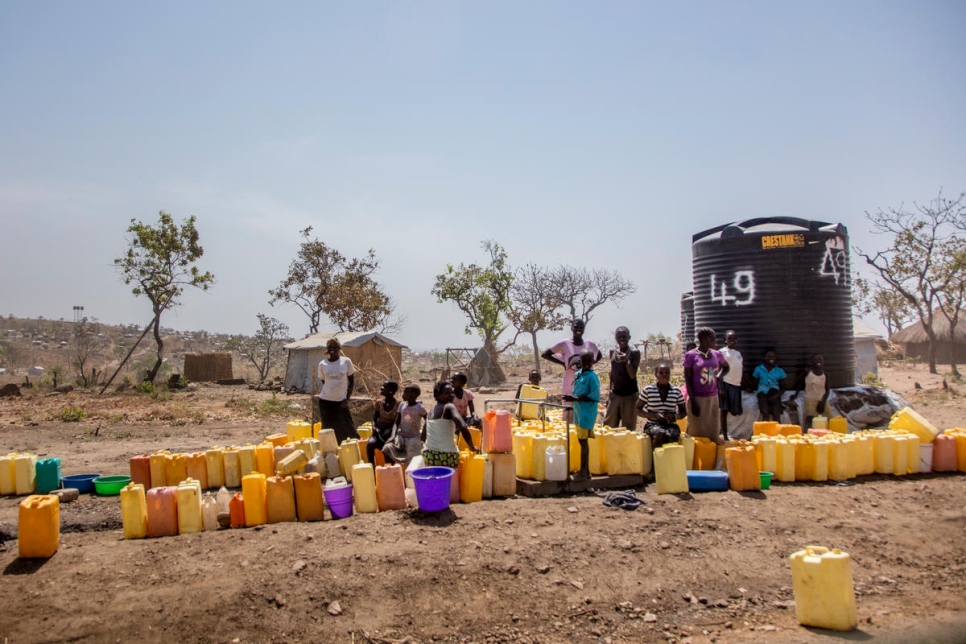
(110, 485)
(765, 479)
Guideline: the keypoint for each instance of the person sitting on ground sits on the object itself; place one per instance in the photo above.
(815, 383)
(384, 416)
(702, 368)
(409, 432)
(661, 404)
(585, 396)
(769, 381)
(530, 411)
(442, 426)
(624, 363)
(463, 399)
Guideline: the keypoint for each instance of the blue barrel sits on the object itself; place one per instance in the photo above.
(780, 282)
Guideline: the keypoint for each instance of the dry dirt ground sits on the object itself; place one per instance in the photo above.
(704, 568)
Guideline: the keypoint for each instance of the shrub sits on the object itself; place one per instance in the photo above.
(146, 387)
(873, 380)
(72, 414)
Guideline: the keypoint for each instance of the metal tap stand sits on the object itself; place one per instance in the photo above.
(541, 404)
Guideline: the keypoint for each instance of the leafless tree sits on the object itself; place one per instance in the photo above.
(535, 304)
(583, 290)
(925, 260)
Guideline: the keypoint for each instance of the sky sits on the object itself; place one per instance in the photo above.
(590, 134)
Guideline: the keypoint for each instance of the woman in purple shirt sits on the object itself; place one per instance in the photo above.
(703, 366)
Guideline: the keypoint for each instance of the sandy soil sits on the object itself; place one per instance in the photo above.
(704, 568)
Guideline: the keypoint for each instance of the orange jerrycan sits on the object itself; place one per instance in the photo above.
(838, 424)
(765, 427)
(141, 470)
(198, 469)
(308, 497)
(236, 511)
(497, 432)
(277, 439)
(162, 505)
(390, 488)
(280, 499)
(824, 595)
(38, 526)
(743, 470)
(504, 474)
(705, 453)
(944, 453)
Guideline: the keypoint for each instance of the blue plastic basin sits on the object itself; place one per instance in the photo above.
(81, 482)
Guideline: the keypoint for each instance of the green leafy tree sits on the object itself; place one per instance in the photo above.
(889, 306)
(924, 261)
(265, 347)
(535, 305)
(322, 281)
(160, 263)
(482, 293)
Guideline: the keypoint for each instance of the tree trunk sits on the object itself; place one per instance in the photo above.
(931, 354)
(153, 373)
(536, 351)
(496, 371)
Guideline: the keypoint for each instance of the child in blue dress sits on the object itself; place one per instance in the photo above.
(769, 380)
(585, 396)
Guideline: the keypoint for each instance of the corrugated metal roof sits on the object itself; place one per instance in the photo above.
(345, 338)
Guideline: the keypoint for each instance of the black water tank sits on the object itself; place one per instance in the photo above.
(779, 282)
(687, 317)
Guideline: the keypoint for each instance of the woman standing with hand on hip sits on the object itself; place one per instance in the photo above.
(337, 375)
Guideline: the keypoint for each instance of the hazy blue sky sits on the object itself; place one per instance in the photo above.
(596, 134)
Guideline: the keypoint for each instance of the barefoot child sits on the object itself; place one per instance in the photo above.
(625, 360)
(384, 416)
(729, 389)
(769, 380)
(463, 399)
(442, 426)
(407, 440)
(815, 384)
(585, 396)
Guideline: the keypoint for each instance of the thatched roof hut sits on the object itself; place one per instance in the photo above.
(915, 342)
(376, 358)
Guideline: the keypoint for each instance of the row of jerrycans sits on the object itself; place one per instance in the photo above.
(22, 474)
(542, 456)
(217, 466)
(670, 464)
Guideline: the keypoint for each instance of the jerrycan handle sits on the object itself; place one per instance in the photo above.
(812, 551)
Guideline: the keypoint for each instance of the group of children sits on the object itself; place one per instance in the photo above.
(713, 389)
(719, 383)
(399, 432)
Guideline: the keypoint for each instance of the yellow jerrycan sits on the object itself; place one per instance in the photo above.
(912, 453)
(134, 511)
(176, 469)
(838, 460)
(349, 457)
(233, 476)
(364, 487)
(530, 411)
(158, 462)
(215, 466)
(189, 507)
(647, 454)
(864, 454)
(254, 493)
(598, 455)
(472, 469)
(296, 430)
(687, 441)
(767, 449)
(785, 461)
(838, 424)
(538, 458)
(669, 470)
(8, 474)
(247, 460)
(824, 595)
(900, 455)
(265, 458)
(622, 453)
(523, 451)
(25, 472)
(882, 446)
(909, 420)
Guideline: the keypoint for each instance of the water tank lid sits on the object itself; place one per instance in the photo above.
(764, 225)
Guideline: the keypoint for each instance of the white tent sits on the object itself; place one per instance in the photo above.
(865, 355)
(375, 356)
